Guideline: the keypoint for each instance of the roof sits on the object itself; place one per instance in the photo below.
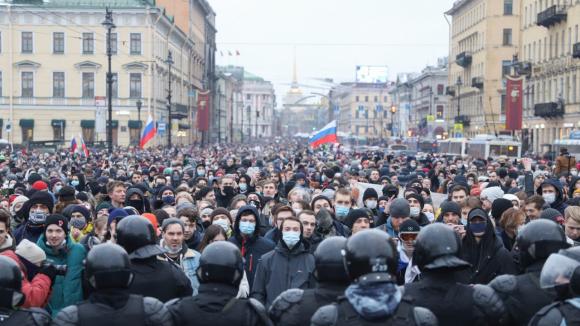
(456, 6)
(86, 3)
(250, 76)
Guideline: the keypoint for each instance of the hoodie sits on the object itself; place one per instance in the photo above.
(252, 247)
(559, 205)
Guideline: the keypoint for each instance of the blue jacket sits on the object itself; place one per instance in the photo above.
(66, 290)
(189, 264)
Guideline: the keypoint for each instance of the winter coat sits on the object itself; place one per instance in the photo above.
(564, 164)
(37, 291)
(253, 247)
(66, 290)
(223, 200)
(488, 258)
(28, 231)
(560, 204)
(282, 269)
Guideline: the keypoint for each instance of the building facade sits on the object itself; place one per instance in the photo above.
(549, 52)
(256, 118)
(484, 37)
(53, 60)
(228, 100)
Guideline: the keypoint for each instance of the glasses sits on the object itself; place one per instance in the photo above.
(408, 236)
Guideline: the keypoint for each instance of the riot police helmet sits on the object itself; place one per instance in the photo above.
(370, 251)
(221, 262)
(10, 284)
(438, 246)
(134, 232)
(108, 267)
(538, 239)
(329, 266)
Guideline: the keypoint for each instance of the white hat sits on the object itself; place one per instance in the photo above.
(511, 197)
(30, 251)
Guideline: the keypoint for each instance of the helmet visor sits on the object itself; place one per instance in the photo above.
(557, 270)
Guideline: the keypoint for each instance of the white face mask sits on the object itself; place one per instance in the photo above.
(415, 211)
(371, 204)
(549, 198)
(223, 223)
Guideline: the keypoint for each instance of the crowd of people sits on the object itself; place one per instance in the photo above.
(283, 234)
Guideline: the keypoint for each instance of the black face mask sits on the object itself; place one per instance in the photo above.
(206, 224)
(137, 204)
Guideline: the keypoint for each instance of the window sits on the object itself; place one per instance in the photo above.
(88, 43)
(58, 130)
(88, 85)
(135, 43)
(508, 7)
(88, 133)
(507, 36)
(384, 98)
(248, 97)
(58, 42)
(356, 98)
(27, 84)
(134, 135)
(440, 89)
(113, 43)
(439, 111)
(506, 66)
(135, 85)
(58, 84)
(26, 42)
(366, 98)
(27, 134)
(376, 98)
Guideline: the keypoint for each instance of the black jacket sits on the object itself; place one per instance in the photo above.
(560, 204)
(282, 269)
(223, 200)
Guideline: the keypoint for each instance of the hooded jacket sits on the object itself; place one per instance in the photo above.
(37, 290)
(145, 207)
(252, 247)
(559, 204)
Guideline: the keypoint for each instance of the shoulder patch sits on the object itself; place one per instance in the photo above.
(325, 316)
(488, 301)
(424, 317)
(284, 301)
(504, 283)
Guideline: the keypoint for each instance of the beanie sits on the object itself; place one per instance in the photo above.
(33, 177)
(41, 197)
(511, 197)
(151, 219)
(418, 197)
(410, 226)
(103, 205)
(39, 185)
(221, 211)
(355, 214)
(172, 220)
(450, 207)
(16, 201)
(58, 220)
(30, 251)
(492, 193)
(499, 206)
(370, 193)
(116, 215)
(552, 214)
(400, 208)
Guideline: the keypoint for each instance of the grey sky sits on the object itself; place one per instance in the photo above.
(331, 36)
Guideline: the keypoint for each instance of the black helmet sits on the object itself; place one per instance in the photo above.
(10, 284)
(108, 267)
(561, 272)
(328, 261)
(437, 247)
(370, 251)
(134, 232)
(538, 239)
(221, 262)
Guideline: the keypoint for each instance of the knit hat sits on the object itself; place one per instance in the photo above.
(41, 197)
(58, 220)
(33, 177)
(450, 207)
(80, 209)
(499, 206)
(66, 193)
(400, 208)
(39, 185)
(355, 214)
(151, 219)
(539, 173)
(221, 211)
(172, 220)
(116, 215)
(370, 193)
(409, 226)
(492, 193)
(418, 197)
(552, 214)
(511, 197)
(30, 251)
(103, 205)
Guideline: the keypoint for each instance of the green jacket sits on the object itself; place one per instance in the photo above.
(66, 290)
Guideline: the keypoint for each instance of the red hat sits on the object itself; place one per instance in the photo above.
(39, 185)
(11, 198)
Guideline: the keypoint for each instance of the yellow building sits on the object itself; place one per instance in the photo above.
(483, 39)
(549, 52)
(53, 67)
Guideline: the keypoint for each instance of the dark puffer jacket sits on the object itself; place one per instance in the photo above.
(560, 203)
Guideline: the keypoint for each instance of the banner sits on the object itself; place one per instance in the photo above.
(513, 105)
(203, 106)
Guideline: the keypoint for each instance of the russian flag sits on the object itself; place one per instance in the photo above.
(73, 145)
(84, 148)
(325, 135)
(148, 133)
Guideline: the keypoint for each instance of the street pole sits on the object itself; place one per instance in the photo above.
(169, 63)
(109, 25)
(458, 83)
(219, 112)
(139, 104)
(242, 127)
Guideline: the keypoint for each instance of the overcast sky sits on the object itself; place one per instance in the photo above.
(331, 37)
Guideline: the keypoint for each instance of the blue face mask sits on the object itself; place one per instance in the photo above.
(291, 238)
(477, 227)
(168, 200)
(381, 209)
(243, 186)
(247, 228)
(341, 211)
(74, 183)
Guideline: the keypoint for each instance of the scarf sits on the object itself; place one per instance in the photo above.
(374, 301)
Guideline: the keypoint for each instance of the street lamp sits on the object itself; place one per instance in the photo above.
(458, 83)
(393, 111)
(139, 104)
(169, 63)
(109, 25)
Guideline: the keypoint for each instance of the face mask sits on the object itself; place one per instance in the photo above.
(138, 204)
(291, 238)
(206, 224)
(441, 180)
(371, 204)
(574, 173)
(413, 165)
(247, 228)
(430, 216)
(228, 190)
(168, 200)
(381, 209)
(470, 183)
(341, 211)
(74, 183)
(415, 211)
(296, 211)
(477, 228)
(549, 198)
(200, 173)
(243, 186)
(37, 217)
(171, 250)
(57, 188)
(223, 223)
(255, 203)
(78, 223)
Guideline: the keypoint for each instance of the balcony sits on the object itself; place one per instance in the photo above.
(463, 59)
(549, 110)
(450, 90)
(524, 68)
(576, 50)
(477, 82)
(463, 119)
(179, 111)
(552, 16)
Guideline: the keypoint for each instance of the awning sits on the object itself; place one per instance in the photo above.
(89, 124)
(135, 124)
(27, 123)
(115, 123)
(58, 123)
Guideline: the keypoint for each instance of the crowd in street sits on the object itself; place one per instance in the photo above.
(283, 234)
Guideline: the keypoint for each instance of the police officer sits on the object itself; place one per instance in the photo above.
(522, 294)
(11, 298)
(437, 256)
(373, 297)
(108, 272)
(561, 272)
(220, 272)
(295, 306)
(155, 275)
